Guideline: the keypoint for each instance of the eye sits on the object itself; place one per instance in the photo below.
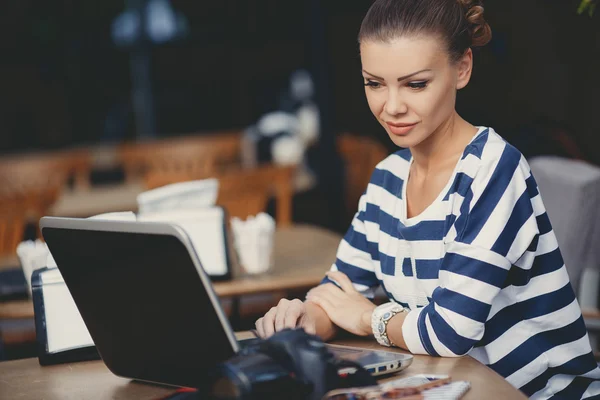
(372, 84)
(419, 85)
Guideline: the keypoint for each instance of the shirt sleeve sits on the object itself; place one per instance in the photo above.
(357, 255)
(494, 229)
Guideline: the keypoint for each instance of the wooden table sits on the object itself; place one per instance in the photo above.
(97, 200)
(123, 197)
(26, 379)
(9, 262)
(302, 255)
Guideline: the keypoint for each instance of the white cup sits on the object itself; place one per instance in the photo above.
(253, 241)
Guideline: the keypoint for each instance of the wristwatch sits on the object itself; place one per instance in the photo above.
(380, 318)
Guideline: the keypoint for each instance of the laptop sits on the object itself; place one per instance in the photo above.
(148, 304)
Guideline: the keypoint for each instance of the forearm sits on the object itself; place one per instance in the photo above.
(323, 325)
(394, 330)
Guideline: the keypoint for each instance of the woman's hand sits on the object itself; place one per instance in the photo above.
(287, 314)
(346, 307)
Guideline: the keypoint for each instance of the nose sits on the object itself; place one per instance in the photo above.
(394, 104)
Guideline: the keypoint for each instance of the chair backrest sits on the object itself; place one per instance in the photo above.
(29, 186)
(360, 155)
(195, 155)
(26, 171)
(570, 190)
(17, 209)
(12, 225)
(243, 192)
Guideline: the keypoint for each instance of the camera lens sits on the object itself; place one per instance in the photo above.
(255, 376)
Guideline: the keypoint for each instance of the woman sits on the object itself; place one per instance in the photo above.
(452, 227)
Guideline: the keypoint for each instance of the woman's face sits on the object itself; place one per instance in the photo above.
(411, 85)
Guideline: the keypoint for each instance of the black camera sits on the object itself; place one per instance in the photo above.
(290, 365)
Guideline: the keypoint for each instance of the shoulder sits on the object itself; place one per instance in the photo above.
(388, 177)
(395, 165)
(493, 158)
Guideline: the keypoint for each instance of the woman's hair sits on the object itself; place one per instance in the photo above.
(459, 22)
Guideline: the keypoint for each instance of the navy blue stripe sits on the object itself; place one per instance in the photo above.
(461, 304)
(359, 241)
(576, 366)
(388, 264)
(407, 267)
(531, 308)
(387, 181)
(521, 212)
(461, 185)
(575, 389)
(386, 222)
(542, 264)
(424, 334)
(473, 268)
(535, 345)
(404, 153)
(427, 269)
(543, 222)
(424, 230)
(534, 243)
(532, 187)
(493, 192)
(450, 219)
(461, 221)
(357, 275)
(449, 337)
(476, 146)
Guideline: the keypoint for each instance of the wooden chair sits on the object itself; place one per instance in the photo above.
(360, 155)
(243, 192)
(197, 155)
(12, 225)
(35, 171)
(17, 209)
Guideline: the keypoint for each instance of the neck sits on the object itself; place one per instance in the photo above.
(442, 146)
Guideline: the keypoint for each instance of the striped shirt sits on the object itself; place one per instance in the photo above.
(479, 269)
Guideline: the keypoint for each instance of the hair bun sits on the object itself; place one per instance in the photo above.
(481, 33)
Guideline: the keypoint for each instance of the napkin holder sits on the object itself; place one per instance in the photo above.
(61, 334)
(208, 231)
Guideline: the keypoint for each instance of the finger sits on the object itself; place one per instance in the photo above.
(269, 322)
(282, 308)
(293, 313)
(259, 328)
(342, 279)
(332, 292)
(309, 328)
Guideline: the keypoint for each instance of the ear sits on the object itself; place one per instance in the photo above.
(464, 68)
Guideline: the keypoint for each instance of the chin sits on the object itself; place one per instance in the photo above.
(409, 140)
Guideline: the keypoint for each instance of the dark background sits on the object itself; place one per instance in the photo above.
(64, 83)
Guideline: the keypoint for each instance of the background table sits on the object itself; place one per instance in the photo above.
(26, 379)
(123, 197)
(301, 255)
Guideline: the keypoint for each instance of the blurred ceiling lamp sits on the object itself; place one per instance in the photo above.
(143, 24)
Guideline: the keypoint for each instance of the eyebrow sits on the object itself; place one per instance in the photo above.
(399, 79)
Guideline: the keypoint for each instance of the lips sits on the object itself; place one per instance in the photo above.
(400, 129)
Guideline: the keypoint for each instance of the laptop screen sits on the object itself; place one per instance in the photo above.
(143, 302)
